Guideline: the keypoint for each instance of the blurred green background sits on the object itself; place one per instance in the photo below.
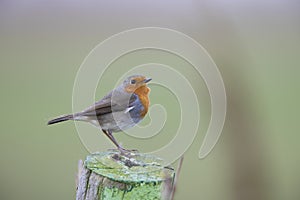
(255, 44)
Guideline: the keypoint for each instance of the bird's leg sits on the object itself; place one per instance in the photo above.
(123, 151)
(109, 134)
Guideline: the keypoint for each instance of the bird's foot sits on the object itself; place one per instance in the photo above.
(127, 152)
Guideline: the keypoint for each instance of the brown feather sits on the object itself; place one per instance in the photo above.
(142, 93)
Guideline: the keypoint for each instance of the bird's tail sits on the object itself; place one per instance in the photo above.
(60, 119)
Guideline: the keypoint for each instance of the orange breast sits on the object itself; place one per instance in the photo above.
(143, 93)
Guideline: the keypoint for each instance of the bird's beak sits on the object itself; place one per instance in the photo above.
(147, 80)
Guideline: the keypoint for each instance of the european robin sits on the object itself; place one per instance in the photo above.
(120, 109)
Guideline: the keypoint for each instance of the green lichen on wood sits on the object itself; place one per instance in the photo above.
(131, 176)
(145, 191)
(133, 167)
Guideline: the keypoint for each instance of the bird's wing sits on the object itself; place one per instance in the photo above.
(107, 105)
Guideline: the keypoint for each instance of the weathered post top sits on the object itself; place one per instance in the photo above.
(112, 175)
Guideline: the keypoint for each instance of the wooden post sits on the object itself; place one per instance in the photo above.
(114, 176)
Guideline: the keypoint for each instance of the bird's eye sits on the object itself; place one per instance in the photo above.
(133, 81)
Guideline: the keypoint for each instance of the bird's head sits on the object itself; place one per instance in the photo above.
(132, 83)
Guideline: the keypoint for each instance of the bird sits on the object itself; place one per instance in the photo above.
(121, 109)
